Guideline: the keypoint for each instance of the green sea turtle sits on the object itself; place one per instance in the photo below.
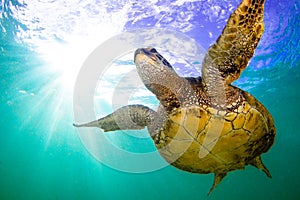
(204, 124)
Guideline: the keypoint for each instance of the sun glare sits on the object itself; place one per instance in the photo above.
(61, 34)
(64, 60)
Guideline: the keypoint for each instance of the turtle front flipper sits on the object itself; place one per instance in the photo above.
(226, 59)
(131, 117)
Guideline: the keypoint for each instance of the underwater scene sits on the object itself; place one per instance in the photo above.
(71, 62)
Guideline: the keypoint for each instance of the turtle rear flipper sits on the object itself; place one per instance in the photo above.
(218, 178)
(257, 162)
(131, 117)
(226, 59)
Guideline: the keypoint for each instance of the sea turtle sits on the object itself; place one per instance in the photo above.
(204, 124)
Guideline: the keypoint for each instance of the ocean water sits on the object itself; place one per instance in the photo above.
(43, 47)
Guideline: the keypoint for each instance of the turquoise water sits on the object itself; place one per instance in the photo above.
(43, 44)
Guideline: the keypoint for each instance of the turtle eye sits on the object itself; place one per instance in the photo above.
(153, 50)
(159, 56)
(166, 63)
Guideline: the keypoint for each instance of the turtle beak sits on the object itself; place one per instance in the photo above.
(138, 51)
(146, 51)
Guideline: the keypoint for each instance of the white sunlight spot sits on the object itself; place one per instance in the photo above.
(66, 57)
(63, 34)
(65, 60)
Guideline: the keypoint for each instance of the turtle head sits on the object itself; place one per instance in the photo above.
(156, 73)
(153, 68)
(152, 57)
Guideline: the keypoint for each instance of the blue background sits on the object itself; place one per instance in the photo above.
(41, 155)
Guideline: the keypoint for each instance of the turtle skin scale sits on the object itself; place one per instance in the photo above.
(204, 124)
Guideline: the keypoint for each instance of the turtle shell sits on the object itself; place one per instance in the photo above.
(202, 139)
